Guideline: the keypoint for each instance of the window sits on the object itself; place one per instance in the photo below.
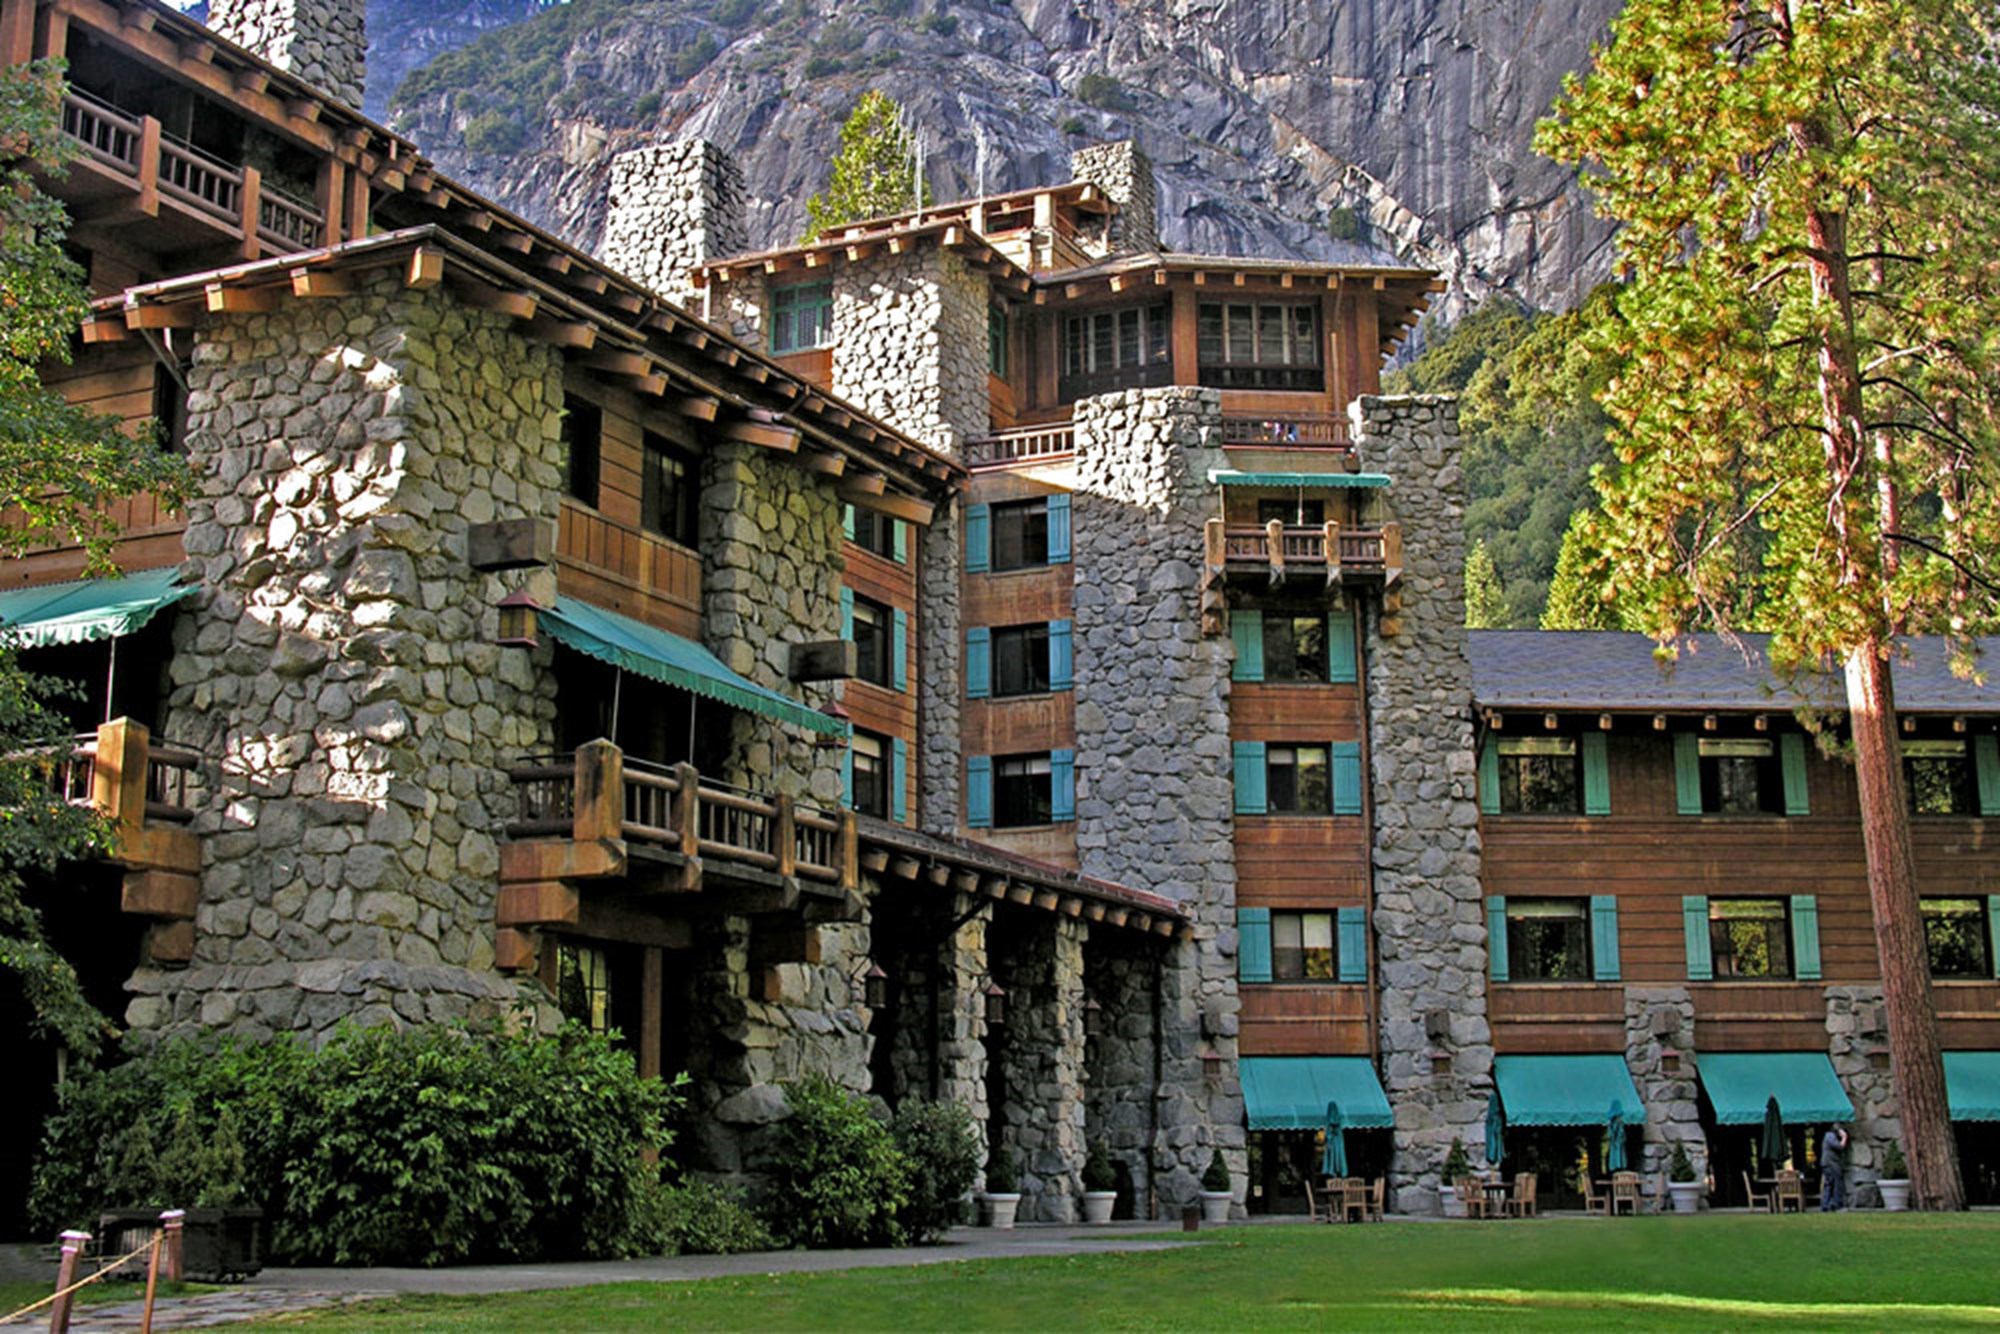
(1256, 345)
(583, 985)
(1749, 938)
(1302, 948)
(1548, 940)
(872, 655)
(1955, 930)
(1020, 534)
(1740, 777)
(670, 492)
(996, 340)
(1940, 777)
(1538, 775)
(870, 791)
(583, 446)
(874, 532)
(170, 409)
(802, 317)
(1023, 791)
(1021, 660)
(1298, 780)
(1292, 513)
(1294, 648)
(1115, 349)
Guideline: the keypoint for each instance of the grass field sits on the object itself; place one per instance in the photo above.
(1847, 1271)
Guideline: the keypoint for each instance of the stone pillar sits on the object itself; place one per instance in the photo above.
(339, 659)
(1656, 1019)
(940, 648)
(909, 344)
(1430, 921)
(324, 42)
(673, 208)
(1154, 801)
(961, 1034)
(1125, 175)
(1119, 1081)
(1044, 1049)
(1857, 1029)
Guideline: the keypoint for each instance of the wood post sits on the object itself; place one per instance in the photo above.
(600, 792)
(687, 823)
(784, 836)
(173, 1221)
(1215, 545)
(1392, 554)
(1332, 552)
(52, 33)
(72, 1252)
(329, 196)
(17, 31)
(652, 1016)
(118, 778)
(149, 166)
(850, 852)
(251, 201)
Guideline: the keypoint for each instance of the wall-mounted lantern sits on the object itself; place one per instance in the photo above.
(517, 619)
(1093, 1018)
(996, 1005)
(875, 986)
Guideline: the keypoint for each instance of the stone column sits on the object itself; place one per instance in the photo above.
(324, 42)
(1657, 1018)
(1857, 1029)
(940, 648)
(1154, 800)
(1125, 175)
(1119, 1079)
(1044, 1049)
(673, 208)
(1430, 921)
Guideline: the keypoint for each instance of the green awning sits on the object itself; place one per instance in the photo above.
(1972, 1085)
(660, 655)
(1291, 1092)
(86, 610)
(1327, 481)
(1566, 1090)
(1740, 1083)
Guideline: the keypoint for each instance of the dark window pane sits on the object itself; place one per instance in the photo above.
(1940, 777)
(875, 532)
(670, 492)
(1103, 343)
(1740, 777)
(1749, 938)
(1955, 932)
(583, 985)
(1208, 334)
(872, 649)
(583, 443)
(1302, 947)
(1548, 940)
(1292, 513)
(801, 317)
(1288, 960)
(1539, 776)
(170, 410)
(1297, 780)
(1023, 791)
(996, 341)
(871, 774)
(1020, 535)
(1294, 648)
(1021, 660)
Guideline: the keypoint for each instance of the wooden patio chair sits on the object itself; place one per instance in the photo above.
(1789, 1192)
(1757, 1201)
(1625, 1193)
(1595, 1201)
(1312, 1205)
(1375, 1199)
(1473, 1195)
(1354, 1201)
(1522, 1205)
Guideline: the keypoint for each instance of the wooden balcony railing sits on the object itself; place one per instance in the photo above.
(1280, 550)
(1293, 430)
(1023, 444)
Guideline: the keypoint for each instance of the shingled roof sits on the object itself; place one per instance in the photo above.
(1613, 670)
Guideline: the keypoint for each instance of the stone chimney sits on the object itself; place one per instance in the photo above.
(1125, 175)
(674, 207)
(324, 42)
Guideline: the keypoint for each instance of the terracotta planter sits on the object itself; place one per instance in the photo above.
(998, 1210)
(1097, 1205)
(217, 1245)
(1215, 1205)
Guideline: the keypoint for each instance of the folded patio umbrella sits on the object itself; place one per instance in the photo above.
(1774, 1149)
(1335, 1162)
(1496, 1131)
(1614, 1129)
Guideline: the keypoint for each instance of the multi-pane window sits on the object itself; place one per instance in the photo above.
(1259, 345)
(802, 317)
(1538, 775)
(1548, 940)
(670, 486)
(1956, 933)
(875, 532)
(872, 651)
(583, 446)
(1115, 349)
(1292, 513)
(870, 794)
(1294, 647)
(1740, 777)
(996, 340)
(1021, 660)
(1940, 777)
(1749, 938)
(1023, 791)
(583, 985)
(1021, 534)
(1302, 947)
(1298, 780)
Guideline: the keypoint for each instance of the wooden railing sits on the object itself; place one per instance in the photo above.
(287, 223)
(1279, 548)
(105, 134)
(1022, 444)
(143, 787)
(193, 177)
(1323, 430)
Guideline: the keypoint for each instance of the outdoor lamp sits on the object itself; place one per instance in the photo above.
(1093, 1018)
(875, 986)
(836, 741)
(996, 1005)
(517, 620)
(1213, 1066)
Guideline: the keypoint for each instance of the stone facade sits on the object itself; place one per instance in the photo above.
(909, 344)
(324, 42)
(1039, 962)
(1429, 918)
(1153, 795)
(340, 661)
(673, 207)
(1659, 1020)
(1857, 1028)
(1125, 174)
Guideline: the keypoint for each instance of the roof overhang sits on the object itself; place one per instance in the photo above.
(909, 238)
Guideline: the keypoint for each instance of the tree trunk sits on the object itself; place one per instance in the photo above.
(1914, 1059)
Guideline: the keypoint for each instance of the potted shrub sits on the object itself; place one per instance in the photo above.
(1100, 1185)
(220, 1241)
(1894, 1183)
(1682, 1183)
(1216, 1195)
(1456, 1165)
(1002, 1196)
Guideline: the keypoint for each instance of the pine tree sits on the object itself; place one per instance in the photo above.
(1485, 600)
(1576, 593)
(1802, 378)
(874, 174)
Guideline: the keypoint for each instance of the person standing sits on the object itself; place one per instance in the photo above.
(1833, 1169)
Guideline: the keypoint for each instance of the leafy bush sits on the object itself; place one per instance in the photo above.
(842, 1181)
(646, 107)
(944, 25)
(733, 13)
(1894, 1168)
(701, 1218)
(823, 67)
(942, 1147)
(1105, 93)
(1456, 1164)
(1680, 1167)
(1343, 224)
(691, 59)
(1001, 1178)
(1098, 1173)
(1216, 1178)
(494, 132)
(1072, 126)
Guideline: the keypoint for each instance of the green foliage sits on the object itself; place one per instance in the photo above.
(734, 13)
(942, 1147)
(1894, 1167)
(494, 132)
(824, 66)
(1581, 595)
(1485, 600)
(944, 25)
(1456, 1164)
(1344, 224)
(1680, 1167)
(1098, 1173)
(844, 1180)
(874, 174)
(701, 1218)
(646, 107)
(693, 58)
(1105, 93)
(1001, 1179)
(515, 72)
(1073, 126)
(1216, 1178)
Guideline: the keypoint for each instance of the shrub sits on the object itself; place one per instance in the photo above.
(702, 1218)
(1893, 1166)
(1105, 93)
(1216, 1178)
(944, 25)
(1072, 126)
(822, 67)
(733, 13)
(1098, 1173)
(942, 1147)
(1343, 224)
(494, 132)
(1456, 1164)
(647, 107)
(842, 1177)
(1680, 1167)
(1000, 1177)
(691, 59)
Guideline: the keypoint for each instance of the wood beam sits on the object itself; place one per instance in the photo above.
(426, 269)
(321, 283)
(515, 305)
(907, 508)
(576, 335)
(826, 463)
(760, 433)
(220, 298)
(699, 407)
(180, 315)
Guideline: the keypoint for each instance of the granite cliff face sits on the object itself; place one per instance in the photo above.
(1343, 130)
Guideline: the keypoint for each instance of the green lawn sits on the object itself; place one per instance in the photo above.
(15, 1294)
(1843, 1271)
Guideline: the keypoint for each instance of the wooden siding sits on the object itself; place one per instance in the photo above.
(815, 364)
(1267, 712)
(886, 711)
(1301, 861)
(1304, 1019)
(1024, 723)
(1565, 1017)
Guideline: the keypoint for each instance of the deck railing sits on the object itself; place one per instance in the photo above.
(286, 222)
(144, 787)
(1323, 430)
(1278, 548)
(1022, 444)
(105, 133)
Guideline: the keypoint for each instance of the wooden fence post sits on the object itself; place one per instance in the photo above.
(72, 1252)
(174, 1221)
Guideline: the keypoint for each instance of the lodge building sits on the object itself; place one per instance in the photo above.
(976, 654)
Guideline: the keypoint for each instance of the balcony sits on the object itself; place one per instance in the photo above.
(1278, 552)
(1023, 444)
(1293, 430)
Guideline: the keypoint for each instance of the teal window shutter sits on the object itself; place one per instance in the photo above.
(1792, 754)
(899, 538)
(1496, 937)
(1246, 633)
(978, 539)
(1986, 767)
(899, 770)
(1341, 665)
(1489, 778)
(1353, 945)
(1805, 937)
(1062, 785)
(1694, 920)
(1062, 656)
(1604, 937)
(979, 792)
(899, 649)
(1253, 944)
(1993, 931)
(847, 521)
(1347, 778)
(847, 614)
(978, 662)
(1059, 528)
(1596, 775)
(847, 777)
(1687, 774)
(1250, 799)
